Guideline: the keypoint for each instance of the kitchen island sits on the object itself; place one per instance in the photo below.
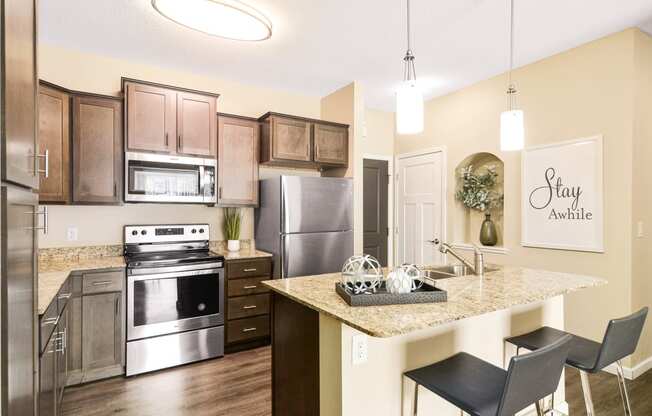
(314, 330)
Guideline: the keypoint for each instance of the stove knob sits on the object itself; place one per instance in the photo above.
(201, 230)
(143, 232)
(134, 232)
(194, 231)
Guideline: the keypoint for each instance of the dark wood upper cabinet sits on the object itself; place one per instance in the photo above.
(301, 142)
(97, 149)
(151, 118)
(54, 141)
(170, 120)
(196, 124)
(20, 161)
(331, 144)
(237, 151)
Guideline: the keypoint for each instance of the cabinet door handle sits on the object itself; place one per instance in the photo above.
(250, 270)
(65, 296)
(249, 329)
(166, 139)
(249, 307)
(115, 189)
(180, 141)
(117, 306)
(219, 192)
(250, 287)
(46, 158)
(102, 283)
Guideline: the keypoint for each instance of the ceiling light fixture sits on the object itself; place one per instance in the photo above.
(512, 131)
(229, 19)
(409, 98)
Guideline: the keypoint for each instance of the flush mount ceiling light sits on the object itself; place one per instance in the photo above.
(229, 19)
(409, 98)
(512, 132)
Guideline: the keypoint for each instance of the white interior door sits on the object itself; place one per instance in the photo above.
(420, 208)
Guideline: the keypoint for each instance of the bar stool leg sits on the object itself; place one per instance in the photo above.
(415, 404)
(622, 387)
(538, 406)
(586, 388)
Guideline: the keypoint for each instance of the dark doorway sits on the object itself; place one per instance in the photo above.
(375, 189)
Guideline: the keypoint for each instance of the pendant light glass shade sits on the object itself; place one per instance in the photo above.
(409, 108)
(512, 131)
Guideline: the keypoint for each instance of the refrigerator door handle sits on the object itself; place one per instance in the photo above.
(284, 256)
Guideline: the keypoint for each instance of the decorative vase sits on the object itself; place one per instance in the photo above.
(398, 282)
(488, 234)
(233, 245)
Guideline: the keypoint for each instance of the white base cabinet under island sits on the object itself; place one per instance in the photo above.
(314, 332)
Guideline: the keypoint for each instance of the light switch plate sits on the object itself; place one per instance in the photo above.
(72, 233)
(359, 349)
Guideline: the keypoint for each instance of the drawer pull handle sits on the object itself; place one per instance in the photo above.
(249, 329)
(250, 287)
(102, 283)
(51, 321)
(250, 270)
(249, 307)
(65, 296)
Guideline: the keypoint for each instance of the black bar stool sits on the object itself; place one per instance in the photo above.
(588, 356)
(482, 389)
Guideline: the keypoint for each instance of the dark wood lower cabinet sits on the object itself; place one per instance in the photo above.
(247, 304)
(295, 358)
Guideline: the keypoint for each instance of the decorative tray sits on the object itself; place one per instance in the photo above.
(427, 293)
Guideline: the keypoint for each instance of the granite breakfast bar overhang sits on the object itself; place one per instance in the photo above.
(313, 332)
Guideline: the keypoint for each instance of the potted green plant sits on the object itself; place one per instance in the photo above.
(232, 220)
(477, 193)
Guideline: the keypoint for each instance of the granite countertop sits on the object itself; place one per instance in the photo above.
(468, 296)
(244, 253)
(52, 273)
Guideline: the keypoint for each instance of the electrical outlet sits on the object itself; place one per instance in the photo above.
(639, 230)
(72, 234)
(359, 350)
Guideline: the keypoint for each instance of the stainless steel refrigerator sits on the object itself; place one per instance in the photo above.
(20, 167)
(306, 223)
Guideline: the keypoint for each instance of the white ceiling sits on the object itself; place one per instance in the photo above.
(320, 45)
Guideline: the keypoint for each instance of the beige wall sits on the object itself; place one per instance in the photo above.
(99, 74)
(578, 93)
(642, 186)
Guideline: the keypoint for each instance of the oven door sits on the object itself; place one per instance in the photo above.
(167, 303)
(161, 178)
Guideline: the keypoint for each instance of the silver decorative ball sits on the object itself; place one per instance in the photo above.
(414, 272)
(361, 274)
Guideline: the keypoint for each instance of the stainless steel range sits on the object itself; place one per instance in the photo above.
(175, 297)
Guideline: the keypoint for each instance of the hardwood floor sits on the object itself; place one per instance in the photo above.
(238, 384)
(606, 397)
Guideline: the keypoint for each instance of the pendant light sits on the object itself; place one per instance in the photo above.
(512, 131)
(409, 99)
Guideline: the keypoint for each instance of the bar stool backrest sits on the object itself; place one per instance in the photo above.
(620, 339)
(533, 376)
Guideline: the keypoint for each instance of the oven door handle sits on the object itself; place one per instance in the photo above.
(174, 275)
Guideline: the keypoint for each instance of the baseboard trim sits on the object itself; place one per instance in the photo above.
(632, 373)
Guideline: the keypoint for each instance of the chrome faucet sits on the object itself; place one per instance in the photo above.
(478, 256)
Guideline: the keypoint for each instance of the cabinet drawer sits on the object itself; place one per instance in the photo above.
(247, 329)
(47, 323)
(64, 295)
(103, 282)
(250, 268)
(249, 286)
(245, 306)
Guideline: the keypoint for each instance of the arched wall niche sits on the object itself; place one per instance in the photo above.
(467, 221)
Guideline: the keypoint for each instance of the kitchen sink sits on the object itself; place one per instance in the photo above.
(450, 270)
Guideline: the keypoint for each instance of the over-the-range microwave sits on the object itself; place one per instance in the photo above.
(163, 178)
